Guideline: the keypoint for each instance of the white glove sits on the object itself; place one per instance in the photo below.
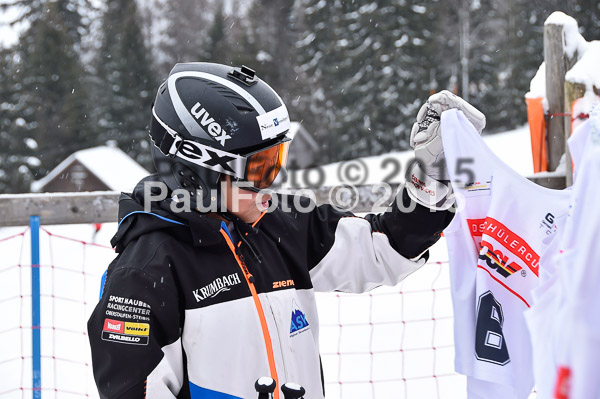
(426, 134)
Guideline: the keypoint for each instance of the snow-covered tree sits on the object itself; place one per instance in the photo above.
(369, 70)
(15, 176)
(126, 83)
(45, 110)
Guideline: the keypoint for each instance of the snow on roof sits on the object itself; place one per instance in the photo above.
(296, 128)
(585, 71)
(112, 166)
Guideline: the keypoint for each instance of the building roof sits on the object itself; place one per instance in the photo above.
(296, 129)
(112, 166)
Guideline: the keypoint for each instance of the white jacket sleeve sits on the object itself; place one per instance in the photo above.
(360, 260)
(354, 254)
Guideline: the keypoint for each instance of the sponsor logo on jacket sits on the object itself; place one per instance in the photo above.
(508, 240)
(299, 323)
(548, 224)
(562, 387)
(497, 261)
(216, 287)
(137, 328)
(283, 284)
(478, 186)
(124, 339)
(126, 332)
(114, 325)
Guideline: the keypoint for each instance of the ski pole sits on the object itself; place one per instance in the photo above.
(265, 386)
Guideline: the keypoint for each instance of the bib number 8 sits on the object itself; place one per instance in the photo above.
(490, 345)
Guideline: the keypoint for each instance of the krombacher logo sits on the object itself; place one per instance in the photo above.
(216, 287)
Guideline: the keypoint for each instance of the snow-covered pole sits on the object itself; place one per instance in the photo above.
(555, 77)
(558, 62)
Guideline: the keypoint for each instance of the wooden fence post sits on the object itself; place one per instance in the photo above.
(557, 65)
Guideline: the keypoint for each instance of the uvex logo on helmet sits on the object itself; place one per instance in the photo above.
(212, 158)
(207, 122)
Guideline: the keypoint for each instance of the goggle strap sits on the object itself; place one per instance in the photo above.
(166, 141)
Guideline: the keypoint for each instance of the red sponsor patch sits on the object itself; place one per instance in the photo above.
(563, 383)
(114, 326)
(476, 227)
(511, 241)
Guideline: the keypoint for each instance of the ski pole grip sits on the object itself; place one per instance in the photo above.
(292, 391)
(265, 386)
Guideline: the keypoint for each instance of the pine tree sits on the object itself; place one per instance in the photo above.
(517, 62)
(585, 12)
(15, 176)
(201, 31)
(216, 48)
(47, 100)
(414, 59)
(126, 82)
(317, 60)
(271, 43)
(505, 48)
(185, 36)
(489, 60)
(367, 61)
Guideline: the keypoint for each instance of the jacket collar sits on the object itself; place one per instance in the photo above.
(192, 227)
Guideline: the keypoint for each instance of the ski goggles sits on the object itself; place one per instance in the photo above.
(262, 167)
(259, 168)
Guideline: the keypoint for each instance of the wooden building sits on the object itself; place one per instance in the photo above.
(304, 149)
(104, 168)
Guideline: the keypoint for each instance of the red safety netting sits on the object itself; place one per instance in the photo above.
(70, 275)
(13, 354)
(392, 342)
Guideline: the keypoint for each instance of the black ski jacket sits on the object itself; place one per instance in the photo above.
(196, 306)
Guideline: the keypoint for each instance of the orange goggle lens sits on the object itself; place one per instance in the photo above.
(262, 168)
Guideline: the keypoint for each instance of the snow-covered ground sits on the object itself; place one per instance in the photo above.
(395, 342)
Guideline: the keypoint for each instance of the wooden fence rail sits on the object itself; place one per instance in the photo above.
(102, 206)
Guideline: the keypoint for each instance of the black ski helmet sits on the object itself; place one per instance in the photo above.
(211, 119)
